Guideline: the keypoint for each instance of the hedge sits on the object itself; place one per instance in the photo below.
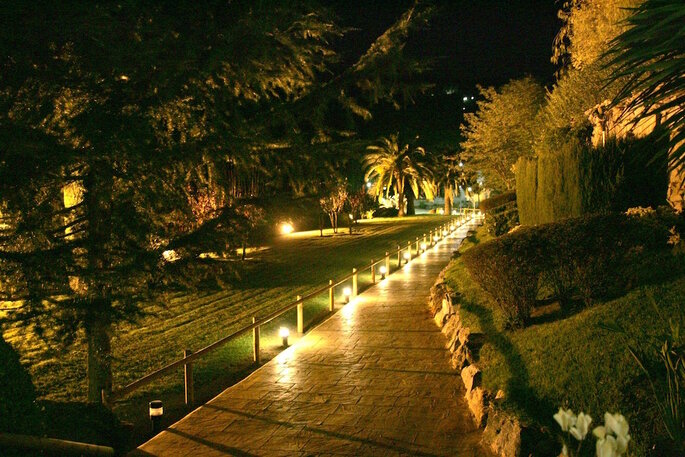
(579, 179)
(577, 260)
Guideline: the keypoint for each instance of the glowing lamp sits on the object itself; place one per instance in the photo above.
(445, 232)
(351, 216)
(347, 293)
(407, 256)
(383, 271)
(156, 410)
(284, 333)
(423, 246)
(286, 228)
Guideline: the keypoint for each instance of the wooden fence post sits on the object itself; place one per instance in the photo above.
(331, 296)
(418, 250)
(188, 379)
(399, 256)
(300, 316)
(387, 263)
(409, 250)
(255, 342)
(354, 282)
(373, 272)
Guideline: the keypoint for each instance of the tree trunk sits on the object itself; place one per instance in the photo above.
(321, 225)
(449, 197)
(331, 216)
(400, 199)
(410, 201)
(244, 243)
(98, 185)
(99, 367)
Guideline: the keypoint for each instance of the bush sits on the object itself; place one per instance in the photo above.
(18, 410)
(508, 269)
(578, 179)
(586, 258)
(501, 213)
(386, 212)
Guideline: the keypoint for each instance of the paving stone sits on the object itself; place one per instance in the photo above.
(373, 380)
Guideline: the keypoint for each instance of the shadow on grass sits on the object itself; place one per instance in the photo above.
(520, 396)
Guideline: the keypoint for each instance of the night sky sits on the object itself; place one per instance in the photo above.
(472, 42)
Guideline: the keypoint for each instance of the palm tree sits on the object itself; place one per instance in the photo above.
(395, 167)
(651, 54)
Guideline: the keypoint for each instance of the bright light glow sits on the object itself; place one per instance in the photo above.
(407, 256)
(423, 246)
(472, 97)
(347, 292)
(461, 164)
(286, 228)
(445, 232)
(383, 270)
(156, 408)
(466, 98)
(469, 189)
(283, 332)
(351, 216)
(441, 211)
(170, 255)
(368, 184)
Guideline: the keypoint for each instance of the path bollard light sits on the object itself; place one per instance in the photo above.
(423, 247)
(383, 271)
(156, 409)
(284, 333)
(286, 228)
(407, 257)
(347, 293)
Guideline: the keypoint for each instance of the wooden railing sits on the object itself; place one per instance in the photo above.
(186, 362)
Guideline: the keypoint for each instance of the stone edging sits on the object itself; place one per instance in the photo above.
(501, 431)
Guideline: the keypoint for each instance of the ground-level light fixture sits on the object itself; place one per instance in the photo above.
(286, 228)
(461, 164)
(156, 410)
(383, 271)
(407, 256)
(445, 232)
(347, 293)
(284, 333)
(423, 246)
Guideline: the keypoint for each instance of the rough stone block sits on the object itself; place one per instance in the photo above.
(471, 376)
(503, 434)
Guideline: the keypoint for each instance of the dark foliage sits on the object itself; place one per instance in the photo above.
(584, 259)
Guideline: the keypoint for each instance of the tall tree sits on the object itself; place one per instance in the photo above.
(502, 130)
(114, 170)
(393, 166)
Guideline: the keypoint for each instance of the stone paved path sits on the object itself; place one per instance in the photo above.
(372, 380)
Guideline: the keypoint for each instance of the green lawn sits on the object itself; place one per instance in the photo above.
(571, 360)
(270, 278)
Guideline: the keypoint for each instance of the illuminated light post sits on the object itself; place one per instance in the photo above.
(347, 293)
(383, 271)
(286, 228)
(156, 410)
(407, 257)
(423, 247)
(284, 333)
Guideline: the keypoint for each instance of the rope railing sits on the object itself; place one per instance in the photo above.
(189, 357)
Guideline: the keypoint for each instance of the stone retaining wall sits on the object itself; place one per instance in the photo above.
(501, 431)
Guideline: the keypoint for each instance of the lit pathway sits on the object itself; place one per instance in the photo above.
(372, 380)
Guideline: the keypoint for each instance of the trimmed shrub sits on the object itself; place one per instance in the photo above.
(501, 213)
(18, 410)
(507, 268)
(578, 179)
(587, 258)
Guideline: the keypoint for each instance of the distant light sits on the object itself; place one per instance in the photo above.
(454, 212)
(351, 216)
(463, 108)
(286, 228)
(407, 256)
(170, 255)
(466, 99)
(156, 408)
(441, 211)
(347, 292)
(461, 164)
(123, 78)
(423, 246)
(445, 232)
(472, 97)
(368, 184)
(383, 270)
(469, 189)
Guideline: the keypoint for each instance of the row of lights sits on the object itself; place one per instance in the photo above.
(156, 407)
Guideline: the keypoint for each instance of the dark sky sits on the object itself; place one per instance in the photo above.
(473, 42)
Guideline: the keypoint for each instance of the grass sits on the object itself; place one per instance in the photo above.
(572, 360)
(269, 278)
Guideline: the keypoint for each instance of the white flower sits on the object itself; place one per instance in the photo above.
(617, 424)
(565, 418)
(622, 444)
(606, 447)
(580, 429)
(600, 432)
